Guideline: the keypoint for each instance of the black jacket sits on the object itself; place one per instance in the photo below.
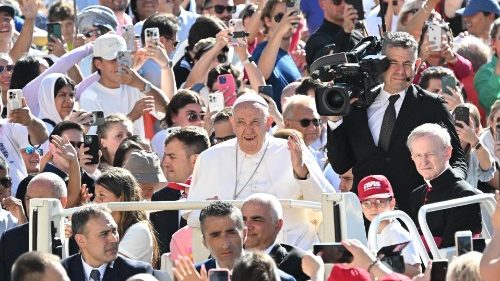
(329, 33)
(445, 223)
(289, 259)
(122, 269)
(352, 145)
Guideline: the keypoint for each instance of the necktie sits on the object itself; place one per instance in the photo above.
(95, 275)
(388, 123)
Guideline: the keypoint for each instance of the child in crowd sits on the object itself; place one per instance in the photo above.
(376, 196)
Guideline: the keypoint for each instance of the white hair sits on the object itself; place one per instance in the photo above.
(293, 101)
(55, 182)
(430, 129)
(269, 201)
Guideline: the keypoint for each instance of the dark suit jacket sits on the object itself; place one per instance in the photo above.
(122, 268)
(14, 242)
(445, 223)
(289, 259)
(166, 223)
(210, 263)
(351, 144)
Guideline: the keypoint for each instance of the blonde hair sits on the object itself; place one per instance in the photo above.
(465, 267)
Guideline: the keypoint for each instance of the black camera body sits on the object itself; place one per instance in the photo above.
(355, 74)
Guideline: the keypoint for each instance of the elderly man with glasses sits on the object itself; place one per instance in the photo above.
(300, 114)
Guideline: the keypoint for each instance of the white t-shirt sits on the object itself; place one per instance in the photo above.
(13, 137)
(394, 233)
(120, 100)
(137, 243)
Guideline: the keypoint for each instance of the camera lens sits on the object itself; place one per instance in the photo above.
(335, 99)
(222, 80)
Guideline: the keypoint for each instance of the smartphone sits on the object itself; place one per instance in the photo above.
(434, 33)
(152, 36)
(463, 242)
(218, 274)
(461, 113)
(448, 81)
(92, 142)
(292, 5)
(14, 99)
(478, 244)
(216, 101)
(439, 269)
(54, 30)
(332, 253)
(266, 90)
(129, 36)
(125, 60)
(392, 250)
(227, 85)
(97, 118)
(358, 5)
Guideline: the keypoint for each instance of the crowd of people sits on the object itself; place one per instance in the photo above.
(193, 100)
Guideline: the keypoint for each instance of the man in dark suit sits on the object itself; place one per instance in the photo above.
(96, 234)
(263, 217)
(15, 241)
(223, 234)
(431, 150)
(182, 147)
(372, 140)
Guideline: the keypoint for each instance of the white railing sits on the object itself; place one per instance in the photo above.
(372, 232)
(487, 202)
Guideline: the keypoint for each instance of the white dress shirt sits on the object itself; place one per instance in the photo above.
(87, 269)
(377, 109)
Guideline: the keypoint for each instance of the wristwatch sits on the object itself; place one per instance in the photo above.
(147, 88)
(249, 60)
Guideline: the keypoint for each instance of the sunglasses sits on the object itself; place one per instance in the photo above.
(222, 58)
(306, 122)
(8, 68)
(30, 150)
(378, 203)
(278, 17)
(76, 144)
(95, 32)
(219, 9)
(336, 2)
(193, 116)
(223, 139)
(6, 182)
(174, 42)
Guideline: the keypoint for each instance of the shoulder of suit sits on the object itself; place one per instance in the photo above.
(426, 95)
(123, 261)
(292, 249)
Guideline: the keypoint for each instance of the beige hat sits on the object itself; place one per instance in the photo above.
(108, 45)
(145, 166)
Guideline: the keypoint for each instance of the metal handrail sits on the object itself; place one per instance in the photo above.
(372, 232)
(487, 199)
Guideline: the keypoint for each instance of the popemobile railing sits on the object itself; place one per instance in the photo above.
(487, 202)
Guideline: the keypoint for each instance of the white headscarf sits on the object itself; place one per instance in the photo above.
(46, 98)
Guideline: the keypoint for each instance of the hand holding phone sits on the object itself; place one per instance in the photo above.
(152, 36)
(227, 85)
(54, 31)
(463, 242)
(125, 60)
(266, 90)
(14, 99)
(439, 269)
(434, 33)
(448, 81)
(461, 113)
(92, 142)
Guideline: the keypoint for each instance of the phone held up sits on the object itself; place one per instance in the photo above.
(92, 142)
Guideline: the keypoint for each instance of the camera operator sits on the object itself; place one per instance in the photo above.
(372, 139)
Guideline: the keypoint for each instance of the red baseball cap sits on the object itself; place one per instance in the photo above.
(375, 186)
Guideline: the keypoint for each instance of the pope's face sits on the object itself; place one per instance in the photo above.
(250, 124)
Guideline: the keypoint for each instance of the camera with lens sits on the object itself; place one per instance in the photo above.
(355, 74)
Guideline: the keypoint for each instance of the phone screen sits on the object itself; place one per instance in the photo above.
(333, 253)
(266, 90)
(54, 30)
(464, 244)
(218, 275)
(438, 272)
(461, 113)
(448, 81)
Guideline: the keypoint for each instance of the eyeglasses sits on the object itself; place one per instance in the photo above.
(306, 122)
(76, 144)
(377, 203)
(337, 2)
(174, 42)
(30, 150)
(222, 58)
(7, 68)
(223, 139)
(278, 17)
(219, 9)
(6, 182)
(194, 117)
(421, 156)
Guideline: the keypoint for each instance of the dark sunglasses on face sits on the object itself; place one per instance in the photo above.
(8, 68)
(223, 139)
(336, 2)
(278, 17)
(174, 42)
(222, 58)
(193, 116)
(6, 182)
(306, 122)
(30, 150)
(219, 9)
(76, 144)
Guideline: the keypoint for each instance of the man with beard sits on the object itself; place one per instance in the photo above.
(222, 9)
(274, 61)
(96, 234)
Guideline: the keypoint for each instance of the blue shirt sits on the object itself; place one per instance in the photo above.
(285, 71)
(313, 14)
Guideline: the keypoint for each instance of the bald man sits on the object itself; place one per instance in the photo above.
(15, 241)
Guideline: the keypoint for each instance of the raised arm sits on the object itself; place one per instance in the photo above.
(29, 9)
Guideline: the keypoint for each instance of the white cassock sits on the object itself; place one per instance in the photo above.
(229, 174)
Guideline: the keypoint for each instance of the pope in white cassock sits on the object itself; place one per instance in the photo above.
(255, 162)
